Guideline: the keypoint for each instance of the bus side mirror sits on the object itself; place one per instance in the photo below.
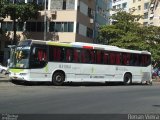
(34, 51)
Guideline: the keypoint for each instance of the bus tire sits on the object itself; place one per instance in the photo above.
(58, 78)
(127, 79)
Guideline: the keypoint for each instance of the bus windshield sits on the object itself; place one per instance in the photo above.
(20, 57)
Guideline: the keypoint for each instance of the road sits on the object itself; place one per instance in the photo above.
(79, 98)
(90, 101)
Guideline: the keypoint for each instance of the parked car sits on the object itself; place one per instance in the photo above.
(3, 69)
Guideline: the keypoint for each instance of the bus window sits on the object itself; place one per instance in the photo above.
(59, 54)
(69, 55)
(105, 57)
(112, 58)
(118, 58)
(38, 57)
(148, 60)
(77, 55)
(145, 60)
(92, 56)
(56, 54)
(99, 57)
(126, 59)
(83, 56)
(137, 60)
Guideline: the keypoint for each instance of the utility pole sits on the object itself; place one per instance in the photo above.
(14, 26)
(95, 22)
(45, 20)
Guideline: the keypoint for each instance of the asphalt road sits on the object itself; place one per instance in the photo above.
(79, 99)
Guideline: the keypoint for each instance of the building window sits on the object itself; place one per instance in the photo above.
(52, 27)
(139, 7)
(58, 27)
(134, 1)
(7, 26)
(77, 28)
(35, 26)
(20, 26)
(64, 5)
(124, 5)
(118, 6)
(61, 27)
(114, 7)
(146, 5)
(40, 26)
(70, 27)
(90, 13)
(146, 15)
(89, 33)
(145, 23)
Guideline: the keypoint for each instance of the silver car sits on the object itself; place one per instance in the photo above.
(3, 69)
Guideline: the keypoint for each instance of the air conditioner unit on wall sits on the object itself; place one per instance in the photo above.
(91, 20)
(53, 14)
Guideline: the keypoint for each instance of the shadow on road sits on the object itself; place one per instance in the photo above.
(73, 84)
(156, 106)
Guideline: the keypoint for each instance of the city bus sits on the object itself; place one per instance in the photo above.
(37, 60)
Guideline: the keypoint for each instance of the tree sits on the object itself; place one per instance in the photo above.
(126, 32)
(21, 12)
(2, 14)
(109, 33)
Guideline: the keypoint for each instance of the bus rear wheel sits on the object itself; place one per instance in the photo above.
(58, 78)
(127, 79)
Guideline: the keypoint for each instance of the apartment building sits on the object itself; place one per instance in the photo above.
(149, 9)
(119, 5)
(65, 21)
(154, 13)
(140, 7)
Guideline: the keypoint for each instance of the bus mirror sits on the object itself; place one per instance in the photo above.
(34, 51)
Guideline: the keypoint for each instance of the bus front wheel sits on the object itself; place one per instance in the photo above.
(58, 78)
(127, 79)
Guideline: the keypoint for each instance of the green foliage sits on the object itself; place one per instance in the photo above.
(2, 10)
(126, 32)
(19, 12)
(22, 11)
(108, 33)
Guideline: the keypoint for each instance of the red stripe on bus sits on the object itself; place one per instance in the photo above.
(88, 47)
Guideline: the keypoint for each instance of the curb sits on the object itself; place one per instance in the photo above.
(4, 78)
(5, 81)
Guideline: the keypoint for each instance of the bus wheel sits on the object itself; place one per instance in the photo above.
(58, 78)
(127, 79)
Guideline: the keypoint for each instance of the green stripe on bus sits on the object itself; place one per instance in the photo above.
(59, 44)
(46, 68)
(16, 70)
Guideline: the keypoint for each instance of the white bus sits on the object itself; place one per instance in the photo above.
(36, 60)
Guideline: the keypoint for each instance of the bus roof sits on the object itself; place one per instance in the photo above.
(89, 46)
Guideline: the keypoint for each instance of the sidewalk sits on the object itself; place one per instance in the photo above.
(4, 78)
